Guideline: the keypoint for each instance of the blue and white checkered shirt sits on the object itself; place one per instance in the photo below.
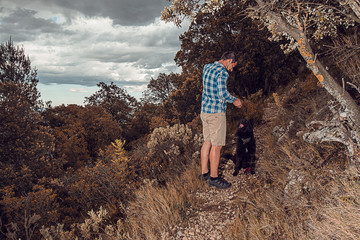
(215, 94)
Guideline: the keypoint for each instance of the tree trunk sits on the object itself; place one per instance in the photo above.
(328, 82)
(355, 6)
(351, 110)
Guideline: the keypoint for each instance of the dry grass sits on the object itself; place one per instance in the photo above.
(302, 191)
(277, 205)
(157, 208)
(340, 214)
(293, 198)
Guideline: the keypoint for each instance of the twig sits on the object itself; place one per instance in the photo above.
(354, 86)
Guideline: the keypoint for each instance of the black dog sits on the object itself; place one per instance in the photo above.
(245, 147)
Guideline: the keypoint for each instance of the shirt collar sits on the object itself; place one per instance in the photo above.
(219, 63)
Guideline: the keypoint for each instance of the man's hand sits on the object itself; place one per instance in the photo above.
(237, 103)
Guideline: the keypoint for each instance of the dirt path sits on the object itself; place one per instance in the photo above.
(211, 220)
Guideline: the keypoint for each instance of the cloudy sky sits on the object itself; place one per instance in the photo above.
(75, 44)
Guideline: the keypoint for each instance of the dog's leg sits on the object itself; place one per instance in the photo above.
(237, 164)
(252, 156)
(236, 171)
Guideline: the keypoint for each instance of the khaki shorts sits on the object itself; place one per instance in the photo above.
(214, 128)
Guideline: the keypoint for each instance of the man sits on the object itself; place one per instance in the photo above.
(213, 106)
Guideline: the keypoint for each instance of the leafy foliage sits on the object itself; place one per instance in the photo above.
(262, 65)
(159, 90)
(23, 140)
(168, 151)
(108, 183)
(115, 100)
(80, 132)
(26, 145)
(184, 104)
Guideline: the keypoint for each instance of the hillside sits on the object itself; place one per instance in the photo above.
(298, 191)
(121, 169)
(301, 190)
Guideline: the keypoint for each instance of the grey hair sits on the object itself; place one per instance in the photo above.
(229, 55)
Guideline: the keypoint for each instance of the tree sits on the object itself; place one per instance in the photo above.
(26, 144)
(299, 21)
(183, 105)
(262, 64)
(119, 104)
(302, 21)
(115, 100)
(142, 119)
(80, 133)
(159, 90)
(24, 139)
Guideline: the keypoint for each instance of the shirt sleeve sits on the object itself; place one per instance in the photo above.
(223, 92)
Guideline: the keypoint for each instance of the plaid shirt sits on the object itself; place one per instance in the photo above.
(215, 94)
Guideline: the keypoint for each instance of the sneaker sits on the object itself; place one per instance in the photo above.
(204, 177)
(219, 183)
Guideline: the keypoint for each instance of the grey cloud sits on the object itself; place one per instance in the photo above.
(23, 25)
(133, 12)
(79, 80)
(86, 81)
(159, 37)
(143, 57)
(163, 39)
(153, 61)
(112, 56)
(123, 12)
(146, 50)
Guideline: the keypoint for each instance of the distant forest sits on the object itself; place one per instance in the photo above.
(58, 163)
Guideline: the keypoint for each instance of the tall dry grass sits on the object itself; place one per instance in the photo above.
(340, 214)
(302, 191)
(284, 199)
(157, 208)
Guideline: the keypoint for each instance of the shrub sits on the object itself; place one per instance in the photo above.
(168, 150)
(96, 226)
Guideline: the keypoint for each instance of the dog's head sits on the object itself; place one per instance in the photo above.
(245, 126)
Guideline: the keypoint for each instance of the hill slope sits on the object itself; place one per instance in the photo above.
(299, 191)
(217, 208)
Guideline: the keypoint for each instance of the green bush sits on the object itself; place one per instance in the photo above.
(168, 151)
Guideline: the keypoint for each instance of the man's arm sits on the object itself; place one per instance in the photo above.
(223, 92)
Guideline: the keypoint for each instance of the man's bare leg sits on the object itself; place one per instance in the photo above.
(205, 152)
(214, 160)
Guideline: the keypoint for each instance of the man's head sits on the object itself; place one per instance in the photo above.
(229, 60)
